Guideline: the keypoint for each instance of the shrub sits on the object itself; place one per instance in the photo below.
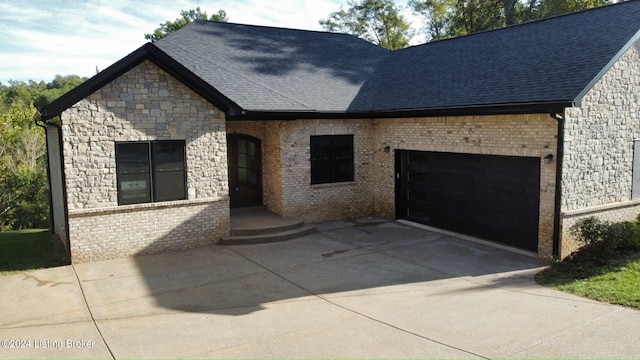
(602, 240)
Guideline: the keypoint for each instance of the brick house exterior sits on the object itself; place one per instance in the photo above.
(163, 108)
(578, 140)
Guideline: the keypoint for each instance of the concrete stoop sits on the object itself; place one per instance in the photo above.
(258, 226)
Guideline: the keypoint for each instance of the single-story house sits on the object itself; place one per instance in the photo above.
(510, 135)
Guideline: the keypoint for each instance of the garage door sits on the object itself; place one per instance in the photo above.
(491, 197)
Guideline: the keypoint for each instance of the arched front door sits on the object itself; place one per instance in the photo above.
(245, 170)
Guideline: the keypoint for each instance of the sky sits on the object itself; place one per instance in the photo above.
(40, 39)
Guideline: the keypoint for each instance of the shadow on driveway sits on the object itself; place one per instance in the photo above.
(339, 258)
(383, 291)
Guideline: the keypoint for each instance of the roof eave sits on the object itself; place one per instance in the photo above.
(146, 52)
(543, 107)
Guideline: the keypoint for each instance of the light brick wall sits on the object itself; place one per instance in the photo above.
(286, 169)
(145, 103)
(373, 190)
(323, 202)
(599, 134)
(108, 233)
(531, 135)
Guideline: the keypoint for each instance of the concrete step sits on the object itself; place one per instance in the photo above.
(262, 238)
(271, 226)
(248, 210)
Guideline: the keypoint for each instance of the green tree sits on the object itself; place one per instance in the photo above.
(377, 21)
(23, 179)
(476, 15)
(38, 93)
(540, 9)
(186, 17)
(438, 13)
(56, 88)
(449, 18)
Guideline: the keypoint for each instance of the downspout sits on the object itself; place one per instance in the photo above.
(558, 196)
(36, 120)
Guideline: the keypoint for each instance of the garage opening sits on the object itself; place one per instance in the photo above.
(492, 197)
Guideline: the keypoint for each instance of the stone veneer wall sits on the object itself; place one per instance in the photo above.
(598, 153)
(143, 104)
(532, 135)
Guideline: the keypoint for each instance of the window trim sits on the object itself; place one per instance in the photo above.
(332, 159)
(151, 170)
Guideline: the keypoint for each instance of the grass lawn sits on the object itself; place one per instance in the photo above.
(617, 282)
(28, 249)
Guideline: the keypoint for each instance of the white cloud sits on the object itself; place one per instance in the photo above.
(42, 38)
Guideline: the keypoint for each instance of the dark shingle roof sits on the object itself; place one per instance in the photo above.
(551, 60)
(263, 70)
(275, 69)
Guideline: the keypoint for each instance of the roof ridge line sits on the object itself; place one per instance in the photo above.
(280, 28)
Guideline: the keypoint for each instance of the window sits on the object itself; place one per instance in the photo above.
(150, 171)
(331, 159)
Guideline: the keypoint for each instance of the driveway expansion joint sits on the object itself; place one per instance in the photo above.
(86, 303)
(360, 314)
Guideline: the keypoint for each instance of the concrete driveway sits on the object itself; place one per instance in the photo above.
(375, 291)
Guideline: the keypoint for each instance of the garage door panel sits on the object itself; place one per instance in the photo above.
(493, 197)
(419, 210)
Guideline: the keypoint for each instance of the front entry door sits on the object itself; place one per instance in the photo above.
(245, 170)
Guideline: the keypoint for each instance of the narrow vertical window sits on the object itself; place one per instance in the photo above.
(331, 158)
(132, 165)
(168, 170)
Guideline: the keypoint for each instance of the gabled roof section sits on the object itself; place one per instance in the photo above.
(276, 69)
(146, 52)
(539, 64)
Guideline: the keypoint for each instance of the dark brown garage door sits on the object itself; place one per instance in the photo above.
(491, 197)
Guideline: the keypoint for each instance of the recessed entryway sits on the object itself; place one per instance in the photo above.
(245, 170)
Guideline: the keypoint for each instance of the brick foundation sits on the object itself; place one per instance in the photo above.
(110, 233)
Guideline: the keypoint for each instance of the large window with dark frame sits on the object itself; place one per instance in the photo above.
(331, 158)
(150, 171)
